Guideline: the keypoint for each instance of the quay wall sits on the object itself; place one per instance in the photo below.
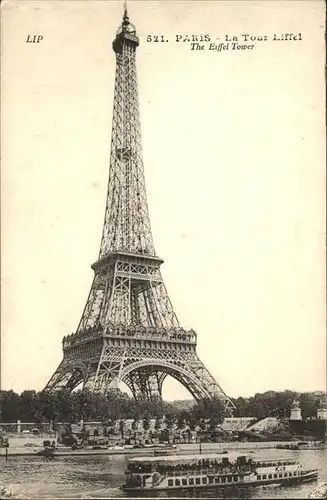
(17, 448)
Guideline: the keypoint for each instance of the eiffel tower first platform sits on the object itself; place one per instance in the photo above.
(129, 330)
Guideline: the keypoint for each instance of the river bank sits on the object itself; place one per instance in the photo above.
(18, 449)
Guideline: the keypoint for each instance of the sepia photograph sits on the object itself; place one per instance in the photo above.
(163, 272)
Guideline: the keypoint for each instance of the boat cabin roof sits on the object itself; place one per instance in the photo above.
(208, 456)
(184, 458)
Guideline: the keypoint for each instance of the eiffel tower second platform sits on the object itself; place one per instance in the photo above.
(129, 330)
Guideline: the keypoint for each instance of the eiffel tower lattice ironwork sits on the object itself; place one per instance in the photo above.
(129, 330)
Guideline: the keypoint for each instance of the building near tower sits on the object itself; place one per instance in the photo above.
(322, 410)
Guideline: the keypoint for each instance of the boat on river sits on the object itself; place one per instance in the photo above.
(202, 471)
(302, 445)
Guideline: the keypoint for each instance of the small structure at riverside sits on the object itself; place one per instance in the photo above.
(296, 413)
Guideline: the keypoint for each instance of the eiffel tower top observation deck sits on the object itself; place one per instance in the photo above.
(129, 330)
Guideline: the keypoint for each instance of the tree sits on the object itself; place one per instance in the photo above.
(65, 406)
(146, 423)
(121, 428)
(208, 408)
(157, 424)
(119, 404)
(191, 421)
(169, 421)
(242, 407)
(309, 404)
(9, 405)
(46, 410)
(214, 422)
(28, 406)
(202, 424)
(272, 403)
(181, 421)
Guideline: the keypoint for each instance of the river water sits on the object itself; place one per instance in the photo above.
(100, 477)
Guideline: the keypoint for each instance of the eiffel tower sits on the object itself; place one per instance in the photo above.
(129, 330)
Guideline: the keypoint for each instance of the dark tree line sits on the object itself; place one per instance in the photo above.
(32, 406)
(38, 407)
(278, 404)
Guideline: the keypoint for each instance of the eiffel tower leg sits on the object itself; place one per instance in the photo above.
(187, 369)
(146, 383)
(67, 376)
(105, 372)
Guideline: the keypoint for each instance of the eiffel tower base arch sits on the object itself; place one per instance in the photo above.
(142, 370)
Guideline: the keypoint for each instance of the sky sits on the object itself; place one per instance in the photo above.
(234, 158)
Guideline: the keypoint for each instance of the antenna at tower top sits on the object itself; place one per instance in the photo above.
(125, 28)
(125, 11)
